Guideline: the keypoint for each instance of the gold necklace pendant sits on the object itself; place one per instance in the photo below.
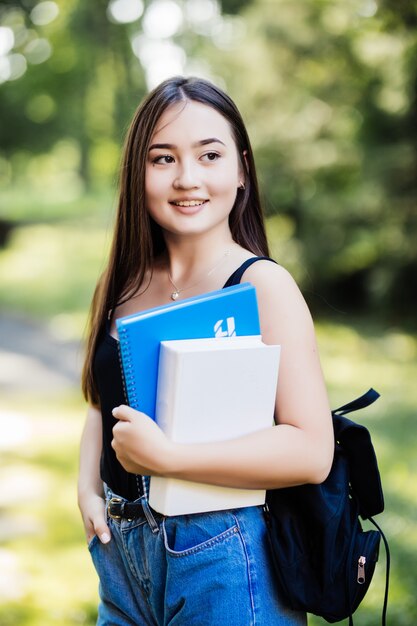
(175, 294)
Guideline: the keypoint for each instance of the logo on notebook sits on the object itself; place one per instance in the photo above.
(228, 331)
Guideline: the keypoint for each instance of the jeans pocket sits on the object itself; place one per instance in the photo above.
(92, 543)
(188, 534)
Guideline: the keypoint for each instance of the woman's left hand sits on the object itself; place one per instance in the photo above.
(140, 445)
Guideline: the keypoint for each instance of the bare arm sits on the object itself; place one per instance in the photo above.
(297, 450)
(90, 486)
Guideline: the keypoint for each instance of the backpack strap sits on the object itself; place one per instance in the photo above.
(356, 442)
(236, 277)
(387, 571)
(360, 403)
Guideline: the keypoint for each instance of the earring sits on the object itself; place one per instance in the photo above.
(241, 185)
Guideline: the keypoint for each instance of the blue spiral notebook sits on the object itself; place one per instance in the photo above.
(228, 312)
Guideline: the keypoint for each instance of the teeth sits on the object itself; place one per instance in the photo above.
(189, 203)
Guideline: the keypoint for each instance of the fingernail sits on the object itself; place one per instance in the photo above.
(114, 411)
(105, 538)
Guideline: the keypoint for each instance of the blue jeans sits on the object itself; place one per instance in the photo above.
(208, 569)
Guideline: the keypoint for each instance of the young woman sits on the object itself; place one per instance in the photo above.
(189, 221)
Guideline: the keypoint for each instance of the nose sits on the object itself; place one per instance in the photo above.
(186, 177)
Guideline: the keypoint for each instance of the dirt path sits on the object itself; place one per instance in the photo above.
(32, 359)
(33, 364)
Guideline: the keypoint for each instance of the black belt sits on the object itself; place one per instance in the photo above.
(120, 509)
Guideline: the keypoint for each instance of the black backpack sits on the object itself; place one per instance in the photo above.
(324, 561)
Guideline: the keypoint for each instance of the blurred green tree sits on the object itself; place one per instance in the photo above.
(82, 91)
(329, 90)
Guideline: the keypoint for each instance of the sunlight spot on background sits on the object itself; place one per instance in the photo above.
(40, 108)
(228, 32)
(44, 13)
(38, 51)
(393, 100)
(162, 19)
(7, 39)
(29, 35)
(125, 11)
(162, 69)
(335, 18)
(368, 8)
(21, 35)
(202, 15)
(15, 428)
(378, 49)
(198, 11)
(18, 66)
(310, 156)
(11, 576)
(161, 59)
(16, 484)
(5, 70)
(317, 112)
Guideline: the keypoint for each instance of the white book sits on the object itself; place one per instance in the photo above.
(212, 390)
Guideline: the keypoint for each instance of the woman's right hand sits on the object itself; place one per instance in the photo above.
(90, 486)
(93, 512)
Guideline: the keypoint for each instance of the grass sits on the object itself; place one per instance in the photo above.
(49, 579)
(54, 205)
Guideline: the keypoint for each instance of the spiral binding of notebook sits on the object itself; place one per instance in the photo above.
(129, 391)
(126, 365)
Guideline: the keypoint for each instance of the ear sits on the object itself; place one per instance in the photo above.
(243, 162)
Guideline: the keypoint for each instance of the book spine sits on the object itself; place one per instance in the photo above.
(125, 356)
(169, 371)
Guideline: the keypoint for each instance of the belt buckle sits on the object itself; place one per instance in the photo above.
(113, 501)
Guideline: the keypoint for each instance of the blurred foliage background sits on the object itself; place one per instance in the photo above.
(329, 93)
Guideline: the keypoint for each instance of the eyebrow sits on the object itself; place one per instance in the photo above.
(171, 146)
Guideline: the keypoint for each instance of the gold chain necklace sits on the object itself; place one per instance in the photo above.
(175, 294)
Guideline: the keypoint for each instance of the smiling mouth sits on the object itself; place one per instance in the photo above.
(188, 203)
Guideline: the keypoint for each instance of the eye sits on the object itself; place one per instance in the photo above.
(211, 156)
(163, 159)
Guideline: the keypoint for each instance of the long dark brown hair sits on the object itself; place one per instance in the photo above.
(138, 239)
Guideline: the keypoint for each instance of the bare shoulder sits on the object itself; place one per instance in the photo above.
(282, 307)
(272, 278)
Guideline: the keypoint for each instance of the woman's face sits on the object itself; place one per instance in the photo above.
(192, 171)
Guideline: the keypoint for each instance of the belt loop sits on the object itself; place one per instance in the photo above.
(146, 508)
(149, 516)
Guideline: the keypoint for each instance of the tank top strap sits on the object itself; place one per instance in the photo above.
(236, 277)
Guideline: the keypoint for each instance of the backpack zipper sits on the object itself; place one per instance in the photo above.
(361, 570)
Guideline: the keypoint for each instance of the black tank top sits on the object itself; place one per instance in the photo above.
(109, 381)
